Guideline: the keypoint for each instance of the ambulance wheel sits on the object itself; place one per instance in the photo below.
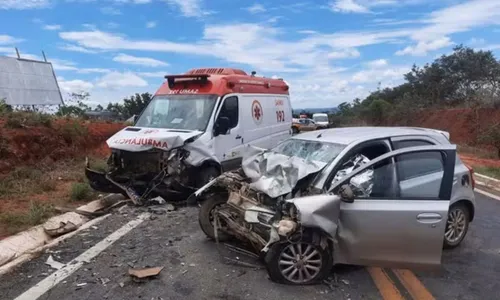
(206, 175)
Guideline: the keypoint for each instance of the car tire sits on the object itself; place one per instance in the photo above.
(295, 130)
(458, 217)
(206, 175)
(278, 261)
(205, 217)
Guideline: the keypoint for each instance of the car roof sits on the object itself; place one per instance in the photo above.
(348, 135)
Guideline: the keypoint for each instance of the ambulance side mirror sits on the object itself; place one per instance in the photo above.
(221, 126)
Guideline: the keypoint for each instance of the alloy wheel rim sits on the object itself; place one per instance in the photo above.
(300, 263)
(455, 226)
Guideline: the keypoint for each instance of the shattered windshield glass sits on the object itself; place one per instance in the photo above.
(189, 112)
(310, 150)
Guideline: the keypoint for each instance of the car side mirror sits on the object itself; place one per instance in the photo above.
(221, 126)
(135, 118)
(346, 194)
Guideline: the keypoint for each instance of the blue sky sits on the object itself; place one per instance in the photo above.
(328, 51)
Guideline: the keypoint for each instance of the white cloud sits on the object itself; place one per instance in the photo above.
(374, 75)
(140, 61)
(256, 8)
(158, 74)
(75, 48)
(7, 39)
(459, 18)
(188, 8)
(151, 24)
(24, 4)
(423, 47)
(52, 27)
(112, 11)
(348, 6)
(93, 70)
(117, 80)
(377, 63)
(74, 86)
(476, 41)
(346, 53)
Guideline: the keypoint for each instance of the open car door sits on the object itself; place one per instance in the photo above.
(399, 213)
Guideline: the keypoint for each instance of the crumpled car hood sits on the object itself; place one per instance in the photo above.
(275, 174)
(137, 139)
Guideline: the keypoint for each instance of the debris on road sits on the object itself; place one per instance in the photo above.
(144, 273)
(62, 224)
(81, 284)
(64, 227)
(53, 263)
(157, 200)
(161, 210)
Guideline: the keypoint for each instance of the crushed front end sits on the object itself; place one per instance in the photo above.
(144, 175)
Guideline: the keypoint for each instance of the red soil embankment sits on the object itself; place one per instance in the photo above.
(63, 139)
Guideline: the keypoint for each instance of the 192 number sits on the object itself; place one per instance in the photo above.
(280, 116)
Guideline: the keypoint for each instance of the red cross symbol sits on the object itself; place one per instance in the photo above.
(256, 112)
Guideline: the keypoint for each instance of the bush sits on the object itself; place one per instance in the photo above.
(4, 147)
(37, 214)
(491, 137)
(46, 184)
(26, 173)
(4, 107)
(81, 191)
(72, 130)
(21, 119)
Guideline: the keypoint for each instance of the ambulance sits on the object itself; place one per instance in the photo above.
(196, 126)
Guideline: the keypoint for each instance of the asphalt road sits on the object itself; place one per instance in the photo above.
(195, 268)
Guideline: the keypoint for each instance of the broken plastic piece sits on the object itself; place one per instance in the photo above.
(53, 263)
(143, 273)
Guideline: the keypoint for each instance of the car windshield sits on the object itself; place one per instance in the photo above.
(321, 118)
(189, 112)
(309, 150)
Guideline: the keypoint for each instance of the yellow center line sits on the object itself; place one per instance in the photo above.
(414, 287)
(384, 284)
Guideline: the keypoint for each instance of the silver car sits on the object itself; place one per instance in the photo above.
(378, 196)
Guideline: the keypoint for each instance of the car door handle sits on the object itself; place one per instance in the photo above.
(238, 137)
(429, 218)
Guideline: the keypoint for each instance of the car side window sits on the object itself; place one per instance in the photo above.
(419, 164)
(230, 110)
(385, 181)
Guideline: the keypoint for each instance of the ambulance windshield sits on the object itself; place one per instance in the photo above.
(189, 112)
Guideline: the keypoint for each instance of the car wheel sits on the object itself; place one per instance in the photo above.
(295, 130)
(299, 263)
(457, 225)
(206, 175)
(206, 217)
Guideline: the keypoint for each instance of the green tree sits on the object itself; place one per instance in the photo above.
(74, 106)
(133, 105)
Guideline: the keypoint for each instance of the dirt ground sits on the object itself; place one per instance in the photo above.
(42, 166)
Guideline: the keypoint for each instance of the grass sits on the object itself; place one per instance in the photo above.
(488, 171)
(71, 131)
(20, 119)
(81, 191)
(477, 152)
(99, 164)
(36, 214)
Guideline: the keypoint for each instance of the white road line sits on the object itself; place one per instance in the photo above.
(485, 193)
(53, 279)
